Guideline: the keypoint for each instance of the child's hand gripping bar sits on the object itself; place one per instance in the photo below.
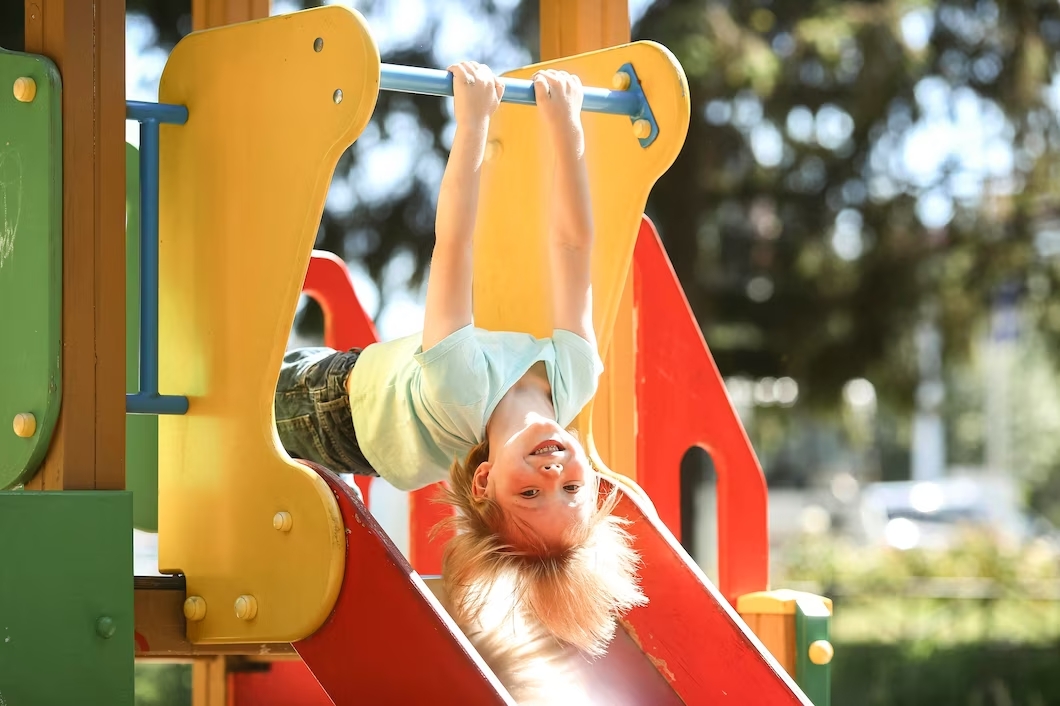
(630, 102)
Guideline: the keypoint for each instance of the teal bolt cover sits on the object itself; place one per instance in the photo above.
(105, 627)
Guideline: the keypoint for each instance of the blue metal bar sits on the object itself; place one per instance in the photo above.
(159, 112)
(149, 257)
(141, 403)
(147, 400)
(434, 82)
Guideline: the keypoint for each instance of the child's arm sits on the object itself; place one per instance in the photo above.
(477, 94)
(559, 98)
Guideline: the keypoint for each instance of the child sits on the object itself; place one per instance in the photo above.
(533, 523)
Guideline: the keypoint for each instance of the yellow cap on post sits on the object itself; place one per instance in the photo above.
(821, 652)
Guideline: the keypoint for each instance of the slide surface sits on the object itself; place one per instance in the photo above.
(687, 646)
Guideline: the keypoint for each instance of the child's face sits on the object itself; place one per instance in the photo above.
(541, 477)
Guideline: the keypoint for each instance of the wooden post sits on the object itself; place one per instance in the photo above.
(86, 40)
(574, 27)
(577, 26)
(209, 681)
(206, 14)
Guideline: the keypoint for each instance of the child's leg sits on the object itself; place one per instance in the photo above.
(313, 415)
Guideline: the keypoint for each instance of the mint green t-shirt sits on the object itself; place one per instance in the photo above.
(414, 412)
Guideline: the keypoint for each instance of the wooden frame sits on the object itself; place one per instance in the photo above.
(86, 40)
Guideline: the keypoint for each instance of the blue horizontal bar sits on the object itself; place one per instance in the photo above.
(160, 112)
(434, 82)
(141, 403)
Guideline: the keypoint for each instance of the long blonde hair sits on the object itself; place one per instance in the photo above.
(570, 593)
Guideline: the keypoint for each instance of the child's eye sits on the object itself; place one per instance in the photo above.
(529, 493)
(572, 488)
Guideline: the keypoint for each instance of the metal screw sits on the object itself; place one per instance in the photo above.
(318, 44)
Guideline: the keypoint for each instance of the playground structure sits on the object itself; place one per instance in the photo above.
(216, 221)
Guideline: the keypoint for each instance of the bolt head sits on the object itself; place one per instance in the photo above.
(195, 608)
(246, 607)
(25, 89)
(24, 424)
(105, 627)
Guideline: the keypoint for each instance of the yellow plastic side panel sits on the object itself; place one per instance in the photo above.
(242, 189)
(512, 273)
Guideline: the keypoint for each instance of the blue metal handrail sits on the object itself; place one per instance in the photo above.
(147, 400)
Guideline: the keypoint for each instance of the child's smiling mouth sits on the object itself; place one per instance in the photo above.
(547, 447)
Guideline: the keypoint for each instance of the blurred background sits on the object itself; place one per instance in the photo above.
(866, 221)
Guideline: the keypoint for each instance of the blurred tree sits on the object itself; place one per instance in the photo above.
(854, 168)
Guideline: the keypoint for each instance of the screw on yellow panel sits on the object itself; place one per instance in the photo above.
(494, 149)
(282, 521)
(24, 424)
(194, 608)
(641, 129)
(620, 81)
(821, 652)
(246, 607)
(25, 89)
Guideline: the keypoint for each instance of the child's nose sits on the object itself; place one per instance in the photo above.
(552, 468)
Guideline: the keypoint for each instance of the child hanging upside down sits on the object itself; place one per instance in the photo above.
(488, 411)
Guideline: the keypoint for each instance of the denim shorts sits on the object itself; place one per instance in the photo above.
(313, 415)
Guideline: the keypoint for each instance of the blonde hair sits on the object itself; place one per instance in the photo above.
(568, 593)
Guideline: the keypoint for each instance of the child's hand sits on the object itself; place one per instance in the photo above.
(476, 91)
(559, 100)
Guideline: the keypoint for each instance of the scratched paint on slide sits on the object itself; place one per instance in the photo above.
(31, 192)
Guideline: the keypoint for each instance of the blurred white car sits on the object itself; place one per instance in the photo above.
(932, 514)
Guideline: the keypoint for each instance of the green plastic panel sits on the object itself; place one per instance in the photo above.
(31, 247)
(812, 623)
(141, 430)
(66, 598)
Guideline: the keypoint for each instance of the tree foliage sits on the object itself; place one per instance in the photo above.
(817, 213)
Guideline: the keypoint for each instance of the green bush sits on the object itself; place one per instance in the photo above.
(163, 684)
(970, 674)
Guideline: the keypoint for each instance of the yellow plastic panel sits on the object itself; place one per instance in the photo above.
(242, 189)
(512, 274)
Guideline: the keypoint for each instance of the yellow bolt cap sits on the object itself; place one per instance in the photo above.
(494, 148)
(620, 81)
(246, 607)
(24, 424)
(282, 521)
(194, 608)
(25, 89)
(821, 652)
(641, 128)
